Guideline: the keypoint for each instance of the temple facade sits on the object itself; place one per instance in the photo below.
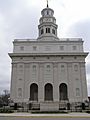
(48, 72)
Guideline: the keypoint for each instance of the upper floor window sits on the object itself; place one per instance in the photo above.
(48, 48)
(75, 57)
(22, 48)
(76, 67)
(74, 47)
(62, 68)
(21, 66)
(34, 67)
(61, 47)
(48, 68)
(47, 30)
(34, 48)
(20, 79)
(77, 79)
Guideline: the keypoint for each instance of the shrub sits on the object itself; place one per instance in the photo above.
(3, 110)
(49, 112)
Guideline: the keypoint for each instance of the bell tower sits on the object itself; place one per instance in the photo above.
(47, 27)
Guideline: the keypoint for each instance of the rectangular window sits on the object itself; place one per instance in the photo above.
(34, 48)
(74, 47)
(77, 92)
(76, 67)
(34, 68)
(22, 48)
(19, 92)
(62, 68)
(48, 48)
(61, 47)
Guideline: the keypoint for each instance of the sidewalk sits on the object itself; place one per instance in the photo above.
(74, 115)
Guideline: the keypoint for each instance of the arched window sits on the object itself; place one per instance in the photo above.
(48, 92)
(42, 31)
(53, 31)
(63, 92)
(47, 12)
(34, 92)
(47, 30)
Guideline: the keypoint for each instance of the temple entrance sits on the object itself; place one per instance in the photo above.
(63, 92)
(48, 92)
(34, 92)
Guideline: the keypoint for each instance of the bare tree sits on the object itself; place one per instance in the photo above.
(5, 97)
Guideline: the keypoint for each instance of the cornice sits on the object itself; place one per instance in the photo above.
(46, 54)
(47, 62)
(60, 40)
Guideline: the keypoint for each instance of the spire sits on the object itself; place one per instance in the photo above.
(47, 4)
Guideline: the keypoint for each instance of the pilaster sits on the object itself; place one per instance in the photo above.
(41, 83)
(55, 81)
(13, 90)
(83, 81)
(70, 82)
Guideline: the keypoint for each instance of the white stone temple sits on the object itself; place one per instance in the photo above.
(48, 72)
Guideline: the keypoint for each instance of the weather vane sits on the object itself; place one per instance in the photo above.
(47, 3)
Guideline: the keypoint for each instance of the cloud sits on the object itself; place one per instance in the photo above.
(82, 29)
(16, 21)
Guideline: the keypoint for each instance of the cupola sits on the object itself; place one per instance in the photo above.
(47, 25)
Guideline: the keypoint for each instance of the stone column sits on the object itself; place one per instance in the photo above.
(41, 83)
(55, 83)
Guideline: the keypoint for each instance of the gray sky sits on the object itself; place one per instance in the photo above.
(20, 18)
